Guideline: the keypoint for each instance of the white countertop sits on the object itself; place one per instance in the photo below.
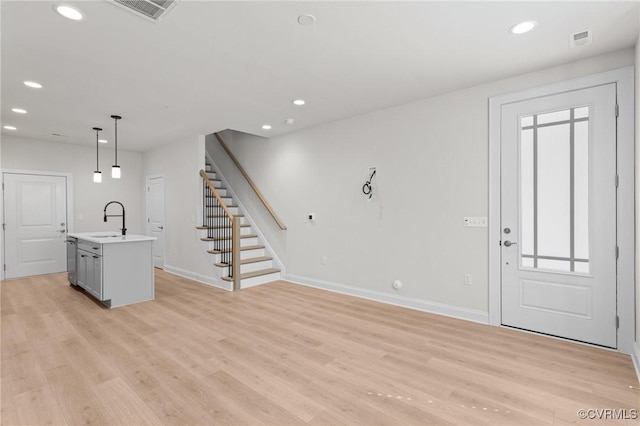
(109, 237)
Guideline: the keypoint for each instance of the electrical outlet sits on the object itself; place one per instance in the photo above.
(475, 222)
(468, 279)
(311, 216)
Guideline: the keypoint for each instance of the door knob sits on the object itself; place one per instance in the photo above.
(160, 227)
(508, 243)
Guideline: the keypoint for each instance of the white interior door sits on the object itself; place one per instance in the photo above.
(35, 220)
(558, 215)
(155, 217)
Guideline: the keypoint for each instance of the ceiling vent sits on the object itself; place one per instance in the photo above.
(581, 38)
(152, 10)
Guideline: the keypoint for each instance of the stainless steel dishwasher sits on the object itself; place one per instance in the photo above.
(72, 254)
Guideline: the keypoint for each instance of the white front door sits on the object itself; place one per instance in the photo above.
(558, 215)
(35, 220)
(155, 217)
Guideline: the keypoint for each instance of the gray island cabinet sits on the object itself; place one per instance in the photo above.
(115, 269)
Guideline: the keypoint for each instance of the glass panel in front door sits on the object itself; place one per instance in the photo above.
(554, 190)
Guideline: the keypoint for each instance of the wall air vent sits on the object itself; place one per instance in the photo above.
(153, 10)
(581, 38)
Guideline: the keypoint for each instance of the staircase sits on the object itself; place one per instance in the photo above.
(256, 266)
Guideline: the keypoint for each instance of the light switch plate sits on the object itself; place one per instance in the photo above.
(475, 222)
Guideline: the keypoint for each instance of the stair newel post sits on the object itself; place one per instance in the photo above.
(235, 250)
(204, 204)
(206, 210)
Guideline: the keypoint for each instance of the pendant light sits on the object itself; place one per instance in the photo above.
(115, 170)
(97, 175)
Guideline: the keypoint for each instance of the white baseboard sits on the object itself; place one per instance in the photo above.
(405, 302)
(635, 356)
(224, 285)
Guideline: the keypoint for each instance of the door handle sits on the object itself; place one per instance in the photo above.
(160, 227)
(62, 231)
(508, 243)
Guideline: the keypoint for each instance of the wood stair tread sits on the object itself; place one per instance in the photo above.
(228, 238)
(254, 274)
(227, 250)
(246, 261)
(224, 215)
(203, 228)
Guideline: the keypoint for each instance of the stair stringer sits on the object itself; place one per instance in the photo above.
(276, 259)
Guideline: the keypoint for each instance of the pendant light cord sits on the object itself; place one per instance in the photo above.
(116, 141)
(116, 118)
(97, 129)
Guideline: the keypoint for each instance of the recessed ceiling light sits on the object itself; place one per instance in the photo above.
(266, 127)
(19, 110)
(10, 128)
(68, 12)
(33, 84)
(523, 27)
(306, 20)
(299, 102)
(289, 121)
(103, 141)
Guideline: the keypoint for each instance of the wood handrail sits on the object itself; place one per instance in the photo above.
(251, 183)
(204, 176)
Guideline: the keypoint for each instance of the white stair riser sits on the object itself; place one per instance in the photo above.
(248, 254)
(250, 282)
(244, 242)
(214, 219)
(211, 202)
(245, 230)
(256, 266)
(208, 168)
(212, 209)
(211, 175)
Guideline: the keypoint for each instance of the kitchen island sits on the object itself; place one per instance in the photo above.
(115, 269)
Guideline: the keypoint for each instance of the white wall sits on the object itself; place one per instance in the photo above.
(432, 162)
(180, 163)
(89, 197)
(637, 86)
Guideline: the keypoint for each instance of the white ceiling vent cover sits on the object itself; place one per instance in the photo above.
(153, 10)
(581, 38)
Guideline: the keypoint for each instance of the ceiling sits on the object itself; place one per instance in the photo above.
(212, 65)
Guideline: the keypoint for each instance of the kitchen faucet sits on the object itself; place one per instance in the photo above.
(124, 230)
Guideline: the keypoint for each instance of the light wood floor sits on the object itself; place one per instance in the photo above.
(282, 354)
